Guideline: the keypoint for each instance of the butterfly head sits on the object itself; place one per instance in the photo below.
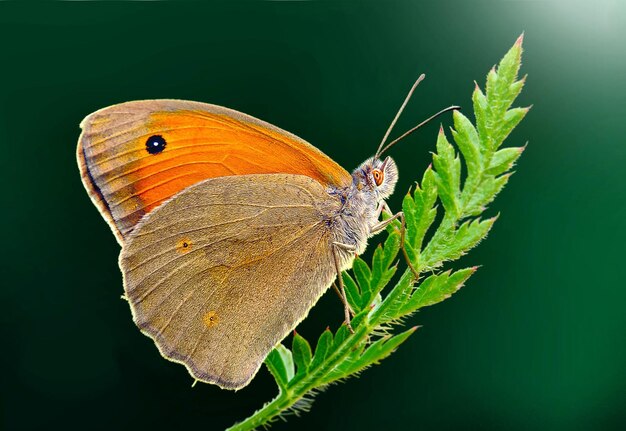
(377, 177)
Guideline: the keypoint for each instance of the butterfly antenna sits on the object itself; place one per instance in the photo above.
(408, 132)
(393, 123)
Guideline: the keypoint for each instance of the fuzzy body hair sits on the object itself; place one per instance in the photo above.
(359, 211)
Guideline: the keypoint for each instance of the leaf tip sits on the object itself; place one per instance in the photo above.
(413, 329)
(441, 128)
(522, 149)
(520, 40)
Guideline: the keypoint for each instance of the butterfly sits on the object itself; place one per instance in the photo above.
(231, 228)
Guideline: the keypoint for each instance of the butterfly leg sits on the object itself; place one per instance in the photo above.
(382, 206)
(346, 306)
(378, 227)
(338, 292)
(383, 224)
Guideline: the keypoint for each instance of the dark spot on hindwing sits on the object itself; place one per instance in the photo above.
(184, 245)
(211, 319)
(155, 144)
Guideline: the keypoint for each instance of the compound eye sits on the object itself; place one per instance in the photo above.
(378, 176)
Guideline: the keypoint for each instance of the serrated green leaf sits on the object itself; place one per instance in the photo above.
(347, 366)
(390, 307)
(380, 284)
(352, 292)
(411, 215)
(491, 90)
(503, 160)
(438, 245)
(359, 318)
(363, 275)
(423, 211)
(480, 112)
(486, 193)
(511, 119)
(377, 263)
(375, 303)
(468, 235)
(340, 336)
(466, 138)
(301, 353)
(447, 175)
(436, 288)
(515, 89)
(419, 212)
(380, 349)
(502, 89)
(510, 63)
(324, 343)
(280, 363)
(391, 248)
(453, 244)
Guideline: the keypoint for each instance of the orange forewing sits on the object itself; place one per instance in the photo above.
(202, 141)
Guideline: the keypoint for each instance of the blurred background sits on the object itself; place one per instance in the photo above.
(534, 341)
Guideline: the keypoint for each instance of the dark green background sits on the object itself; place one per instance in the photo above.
(534, 341)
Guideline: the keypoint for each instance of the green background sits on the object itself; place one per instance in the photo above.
(534, 341)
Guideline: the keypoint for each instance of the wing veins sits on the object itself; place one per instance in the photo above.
(294, 238)
(153, 132)
(160, 240)
(171, 149)
(220, 204)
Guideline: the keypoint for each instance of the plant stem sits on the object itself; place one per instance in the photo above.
(262, 416)
(287, 398)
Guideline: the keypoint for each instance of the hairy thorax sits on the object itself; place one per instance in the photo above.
(351, 221)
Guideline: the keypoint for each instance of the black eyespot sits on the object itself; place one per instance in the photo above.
(155, 144)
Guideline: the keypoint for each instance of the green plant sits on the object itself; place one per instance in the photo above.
(301, 372)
